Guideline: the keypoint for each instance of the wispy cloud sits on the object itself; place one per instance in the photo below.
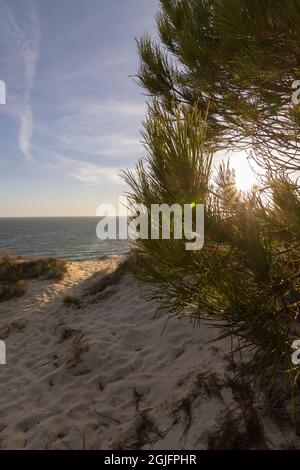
(87, 172)
(85, 118)
(108, 129)
(76, 169)
(20, 38)
(73, 115)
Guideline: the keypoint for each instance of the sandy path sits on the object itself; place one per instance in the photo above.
(101, 375)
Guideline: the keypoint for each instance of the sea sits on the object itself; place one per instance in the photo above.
(72, 238)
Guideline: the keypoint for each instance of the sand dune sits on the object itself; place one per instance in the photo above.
(95, 372)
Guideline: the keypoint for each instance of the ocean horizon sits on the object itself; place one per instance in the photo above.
(72, 238)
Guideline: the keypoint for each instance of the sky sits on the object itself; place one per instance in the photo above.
(72, 116)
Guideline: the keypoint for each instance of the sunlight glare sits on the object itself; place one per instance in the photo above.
(245, 177)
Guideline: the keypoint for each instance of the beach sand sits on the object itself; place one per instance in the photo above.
(98, 373)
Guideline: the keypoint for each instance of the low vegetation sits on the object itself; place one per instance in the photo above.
(78, 348)
(10, 290)
(18, 324)
(113, 278)
(71, 301)
(16, 271)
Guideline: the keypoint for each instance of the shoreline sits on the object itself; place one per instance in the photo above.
(68, 260)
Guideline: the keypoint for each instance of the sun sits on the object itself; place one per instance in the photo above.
(244, 174)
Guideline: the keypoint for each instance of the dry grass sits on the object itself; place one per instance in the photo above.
(78, 348)
(18, 324)
(240, 428)
(238, 432)
(68, 333)
(113, 278)
(15, 271)
(11, 290)
(71, 301)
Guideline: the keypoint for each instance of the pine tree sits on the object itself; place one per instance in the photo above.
(241, 57)
(221, 78)
(246, 278)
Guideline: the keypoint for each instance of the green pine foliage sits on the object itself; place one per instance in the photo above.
(220, 77)
(241, 57)
(246, 278)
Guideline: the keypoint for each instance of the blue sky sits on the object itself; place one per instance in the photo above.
(73, 115)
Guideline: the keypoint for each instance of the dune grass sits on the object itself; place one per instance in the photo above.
(10, 290)
(113, 278)
(17, 324)
(16, 271)
(71, 301)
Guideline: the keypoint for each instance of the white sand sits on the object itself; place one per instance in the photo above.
(103, 377)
